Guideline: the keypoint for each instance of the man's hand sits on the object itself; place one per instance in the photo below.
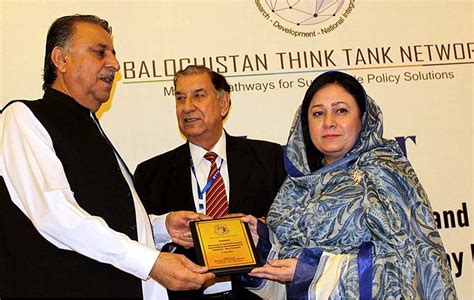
(178, 273)
(281, 270)
(177, 224)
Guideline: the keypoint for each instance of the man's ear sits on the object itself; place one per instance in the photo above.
(224, 103)
(58, 57)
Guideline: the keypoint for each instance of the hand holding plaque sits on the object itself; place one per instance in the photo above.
(177, 224)
(224, 246)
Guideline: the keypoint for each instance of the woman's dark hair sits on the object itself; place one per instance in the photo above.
(59, 34)
(347, 82)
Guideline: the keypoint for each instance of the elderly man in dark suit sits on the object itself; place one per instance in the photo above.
(213, 172)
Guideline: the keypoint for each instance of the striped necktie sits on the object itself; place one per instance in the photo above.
(216, 196)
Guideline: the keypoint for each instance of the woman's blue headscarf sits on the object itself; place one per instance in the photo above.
(371, 195)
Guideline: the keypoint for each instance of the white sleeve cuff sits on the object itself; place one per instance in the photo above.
(160, 232)
(140, 260)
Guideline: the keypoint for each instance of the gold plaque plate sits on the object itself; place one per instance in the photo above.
(224, 246)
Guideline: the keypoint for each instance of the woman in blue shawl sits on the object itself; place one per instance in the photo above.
(352, 219)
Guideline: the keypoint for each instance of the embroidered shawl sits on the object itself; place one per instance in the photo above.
(370, 196)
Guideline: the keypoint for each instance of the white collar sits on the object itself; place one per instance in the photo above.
(197, 152)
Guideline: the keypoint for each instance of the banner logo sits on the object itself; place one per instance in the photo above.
(305, 18)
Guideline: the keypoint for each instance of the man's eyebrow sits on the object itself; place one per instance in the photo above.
(105, 47)
(199, 90)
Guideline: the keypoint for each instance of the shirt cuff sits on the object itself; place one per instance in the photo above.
(139, 260)
(160, 232)
(264, 245)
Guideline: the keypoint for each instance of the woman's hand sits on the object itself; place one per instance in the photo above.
(281, 270)
(252, 222)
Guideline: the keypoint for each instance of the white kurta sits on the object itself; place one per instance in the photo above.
(38, 186)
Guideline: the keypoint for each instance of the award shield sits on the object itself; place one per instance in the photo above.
(224, 246)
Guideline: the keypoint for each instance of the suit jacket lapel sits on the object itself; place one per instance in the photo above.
(182, 182)
(239, 165)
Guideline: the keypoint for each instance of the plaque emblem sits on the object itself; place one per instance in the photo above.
(221, 229)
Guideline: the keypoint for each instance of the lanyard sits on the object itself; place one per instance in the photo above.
(209, 182)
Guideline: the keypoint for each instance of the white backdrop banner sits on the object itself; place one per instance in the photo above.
(415, 58)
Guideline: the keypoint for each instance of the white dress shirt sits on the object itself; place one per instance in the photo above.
(38, 186)
(202, 167)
